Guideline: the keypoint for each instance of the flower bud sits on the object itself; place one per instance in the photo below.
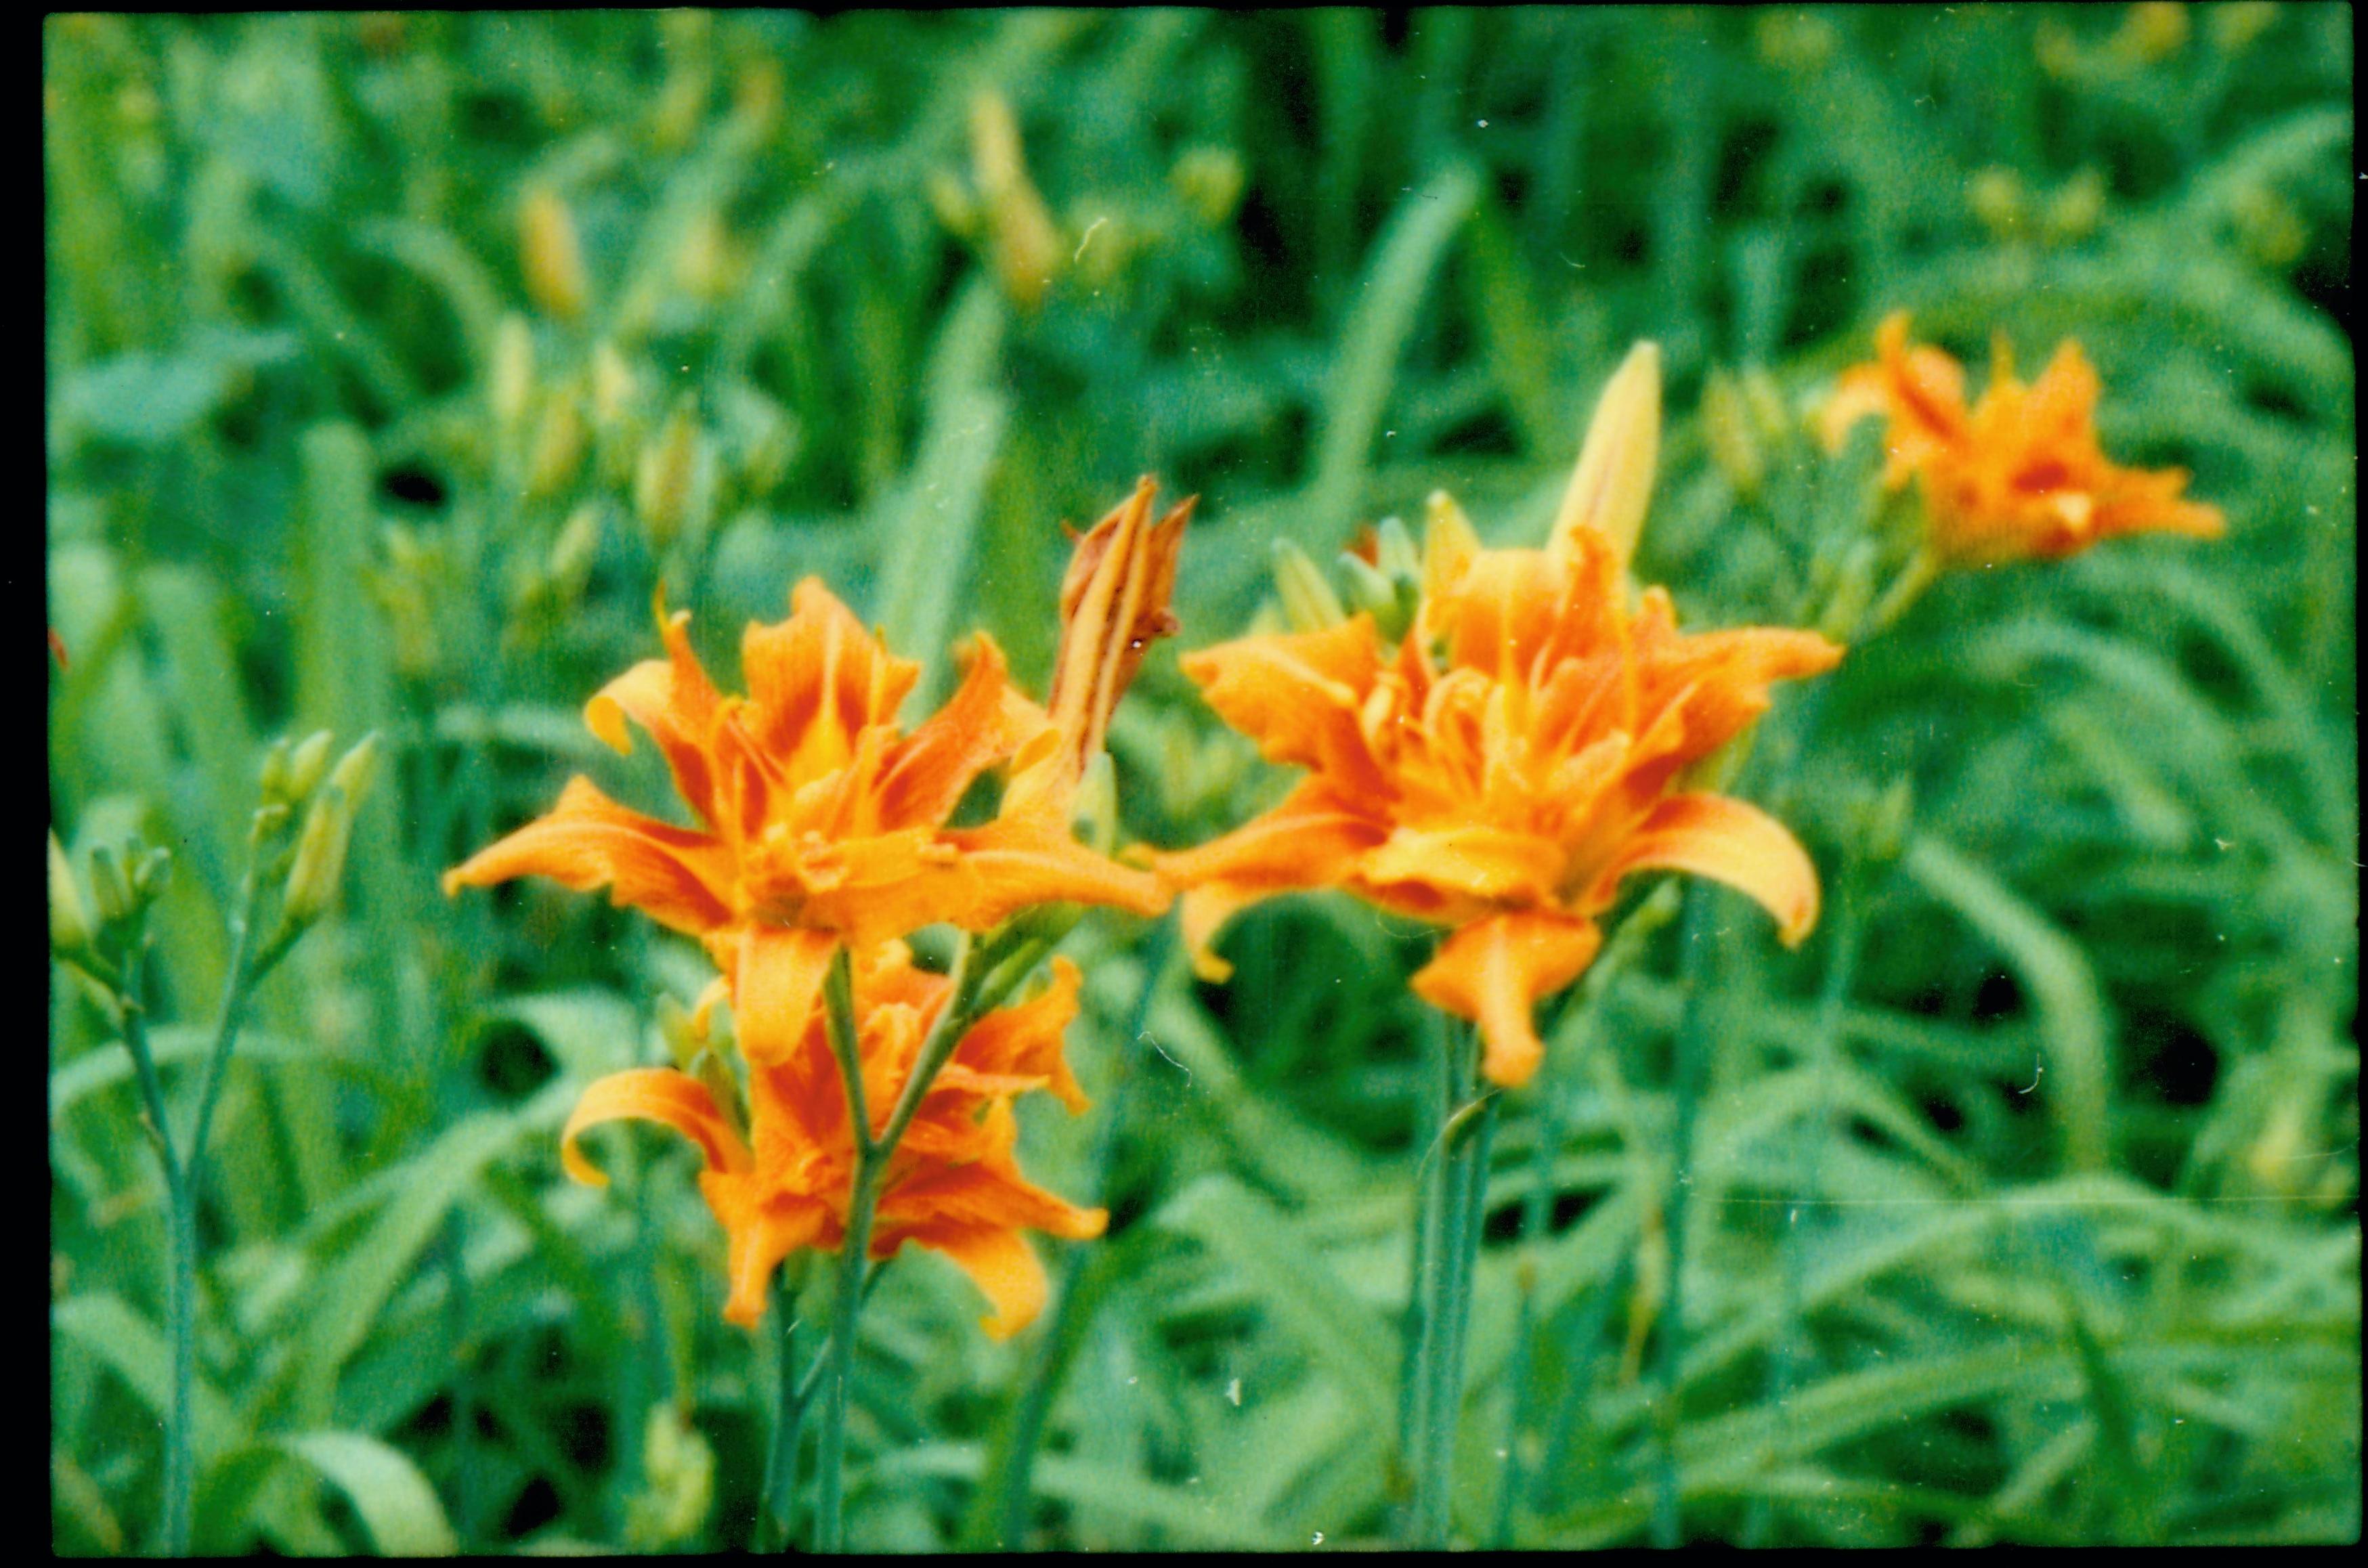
(1393, 550)
(1209, 182)
(1612, 484)
(612, 385)
(1996, 196)
(353, 770)
(678, 1485)
(1727, 428)
(549, 255)
(1390, 598)
(109, 889)
(2236, 26)
(571, 553)
(274, 771)
(69, 918)
(306, 763)
(319, 861)
(558, 447)
(665, 478)
(1023, 244)
(269, 818)
(151, 875)
(2076, 208)
(1308, 601)
(510, 380)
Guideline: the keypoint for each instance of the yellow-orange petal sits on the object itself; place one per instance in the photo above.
(673, 701)
(1024, 1042)
(1113, 606)
(652, 1094)
(1474, 862)
(1311, 840)
(1005, 1268)
(816, 681)
(978, 726)
(1730, 842)
(1297, 694)
(1494, 971)
(680, 878)
(777, 986)
(1014, 864)
(762, 1229)
(1612, 484)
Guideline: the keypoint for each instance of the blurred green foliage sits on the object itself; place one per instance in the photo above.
(394, 361)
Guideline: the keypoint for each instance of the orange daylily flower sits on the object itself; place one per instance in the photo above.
(952, 1184)
(1519, 752)
(2019, 472)
(821, 820)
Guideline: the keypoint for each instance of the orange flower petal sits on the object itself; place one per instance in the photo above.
(1024, 1042)
(1474, 862)
(680, 878)
(1730, 842)
(1311, 840)
(1297, 694)
(761, 1234)
(817, 680)
(673, 699)
(1113, 606)
(1494, 971)
(978, 726)
(652, 1094)
(777, 982)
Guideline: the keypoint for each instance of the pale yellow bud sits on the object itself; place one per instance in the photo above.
(510, 380)
(70, 927)
(572, 552)
(551, 255)
(2152, 31)
(1614, 481)
(559, 440)
(109, 889)
(666, 476)
(306, 763)
(1022, 242)
(2077, 207)
(1727, 428)
(319, 862)
(1209, 181)
(612, 385)
(1308, 601)
(1996, 196)
(679, 1483)
(702, 262)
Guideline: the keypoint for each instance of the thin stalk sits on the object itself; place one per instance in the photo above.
(1691, 1069)
(873, 1153)
(1454, 1201)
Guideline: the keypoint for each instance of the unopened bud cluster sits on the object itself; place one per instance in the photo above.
(1380, 577)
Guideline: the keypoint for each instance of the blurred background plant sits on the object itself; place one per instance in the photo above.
(394, 361)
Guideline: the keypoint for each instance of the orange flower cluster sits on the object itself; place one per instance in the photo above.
(1519, 753)
(823, 825)
(2019, 473)
(952, 1185)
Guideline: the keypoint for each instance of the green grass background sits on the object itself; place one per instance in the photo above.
(2021, 1202)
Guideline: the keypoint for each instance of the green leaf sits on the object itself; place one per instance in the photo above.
(2052, 965)
(396, 1505)
(105, 1326)
(1289, 1278)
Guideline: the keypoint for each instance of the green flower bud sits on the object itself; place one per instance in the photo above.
(1389, 599)
(1209, 181)
(510, 380)
(109, 887)
(1308, 602)
(320, 860)
(150, 877)
(1393, 550)
(1727, 428)
(307, 763)
(665, 478)
(353, 769)
(274, 772)
(69, 918)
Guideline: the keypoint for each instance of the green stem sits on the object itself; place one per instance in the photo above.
(873, 1153)
(1692, 1071)
(1454, 1203)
